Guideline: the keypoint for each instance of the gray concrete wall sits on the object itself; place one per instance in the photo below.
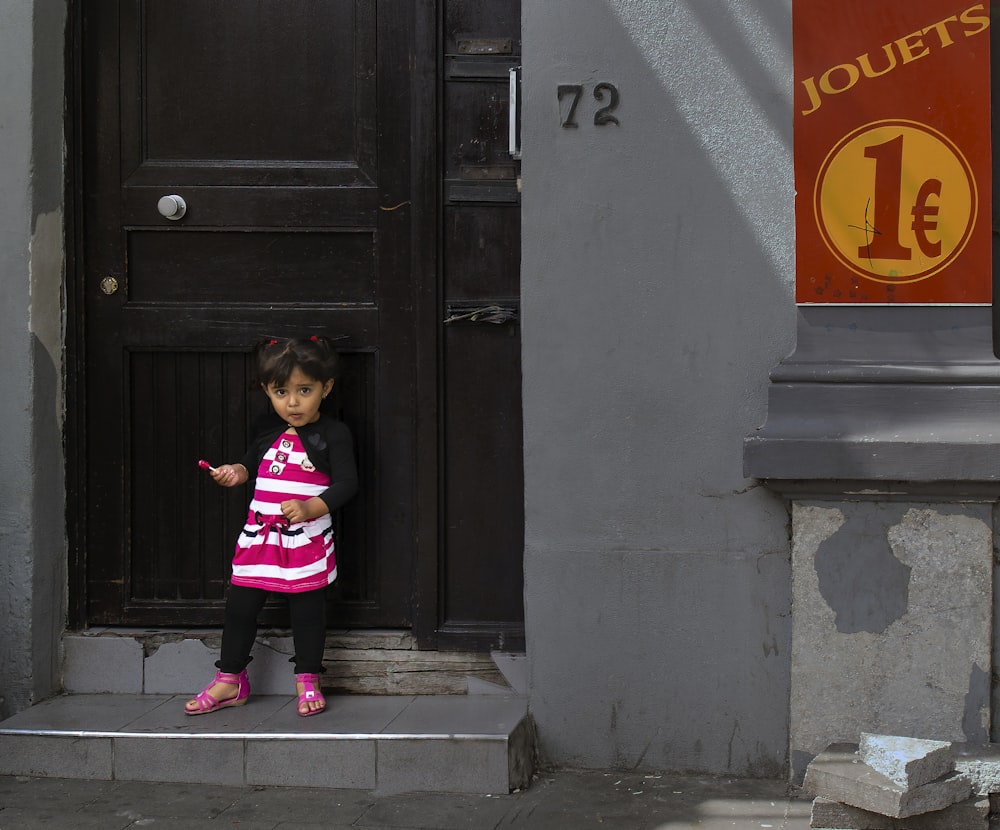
(657, 272)
(32, 503)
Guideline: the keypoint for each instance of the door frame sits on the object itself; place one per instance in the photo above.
(425, 166)
(423, 55)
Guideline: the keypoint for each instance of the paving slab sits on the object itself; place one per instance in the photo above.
(556, 800)
(46, 817)
(296, 806)
(972, 814)
(56, 757)
(653, 801)
(440, 811)
(313, 763)
(839, 775)
(67, 793)
(151, 758)
(95, 713)
(908, 762)
(464, 765)
(170, 717)
(459, 715)
(142, 799)
(344, 715)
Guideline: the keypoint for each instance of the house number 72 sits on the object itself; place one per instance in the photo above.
(573, 92)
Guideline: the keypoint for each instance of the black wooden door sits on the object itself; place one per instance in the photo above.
(483, 490)
(285, 128)
(344, 170)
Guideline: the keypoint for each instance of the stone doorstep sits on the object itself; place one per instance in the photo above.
(449, 743)
(838, 775)
(358, 662)
(972, 814)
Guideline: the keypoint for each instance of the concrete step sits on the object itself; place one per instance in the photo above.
(417, 743)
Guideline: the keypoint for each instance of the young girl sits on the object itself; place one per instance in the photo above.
(303, 464)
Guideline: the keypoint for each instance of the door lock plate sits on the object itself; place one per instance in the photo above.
(496, 313)
(485, 46)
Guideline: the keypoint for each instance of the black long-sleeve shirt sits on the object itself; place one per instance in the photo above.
(330, 448)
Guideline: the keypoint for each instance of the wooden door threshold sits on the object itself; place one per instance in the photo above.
(389, 663)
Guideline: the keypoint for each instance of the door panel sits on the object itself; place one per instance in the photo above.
(240, 62)
(483, 537)
(176, 265)
(278, 82)
(484, 502)
(269, 118)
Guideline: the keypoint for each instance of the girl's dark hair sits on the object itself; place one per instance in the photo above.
(313, 356)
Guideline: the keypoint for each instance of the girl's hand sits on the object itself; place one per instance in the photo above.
(229, 475)
(302, 511)
(294, 510)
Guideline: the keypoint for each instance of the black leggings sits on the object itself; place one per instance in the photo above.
(308, 614)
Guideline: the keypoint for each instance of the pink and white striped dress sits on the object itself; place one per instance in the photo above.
(272, 554)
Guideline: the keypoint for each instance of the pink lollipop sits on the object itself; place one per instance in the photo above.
(205, 465)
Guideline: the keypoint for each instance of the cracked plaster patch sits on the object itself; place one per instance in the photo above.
(864, 584)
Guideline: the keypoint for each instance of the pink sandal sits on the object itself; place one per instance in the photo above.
(207, 703)
(311, 692)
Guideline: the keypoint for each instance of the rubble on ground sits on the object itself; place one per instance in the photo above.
(892, 782)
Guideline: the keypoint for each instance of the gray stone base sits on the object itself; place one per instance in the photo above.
(891, 622)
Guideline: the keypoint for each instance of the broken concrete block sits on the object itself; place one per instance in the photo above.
(971, 814)
(839, 775)
(909, 762)
(980, 763)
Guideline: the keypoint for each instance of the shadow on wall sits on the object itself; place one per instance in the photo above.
(740, 60)
(657, 276)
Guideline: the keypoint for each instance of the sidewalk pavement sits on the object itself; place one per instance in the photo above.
(560, 800)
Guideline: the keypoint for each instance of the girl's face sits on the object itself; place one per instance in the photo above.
(297, 400)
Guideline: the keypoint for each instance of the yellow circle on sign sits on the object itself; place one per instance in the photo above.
(895, 201)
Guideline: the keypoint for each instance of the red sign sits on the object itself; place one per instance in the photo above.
(892, 151)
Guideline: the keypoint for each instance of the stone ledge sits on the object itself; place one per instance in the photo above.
(447, 743)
